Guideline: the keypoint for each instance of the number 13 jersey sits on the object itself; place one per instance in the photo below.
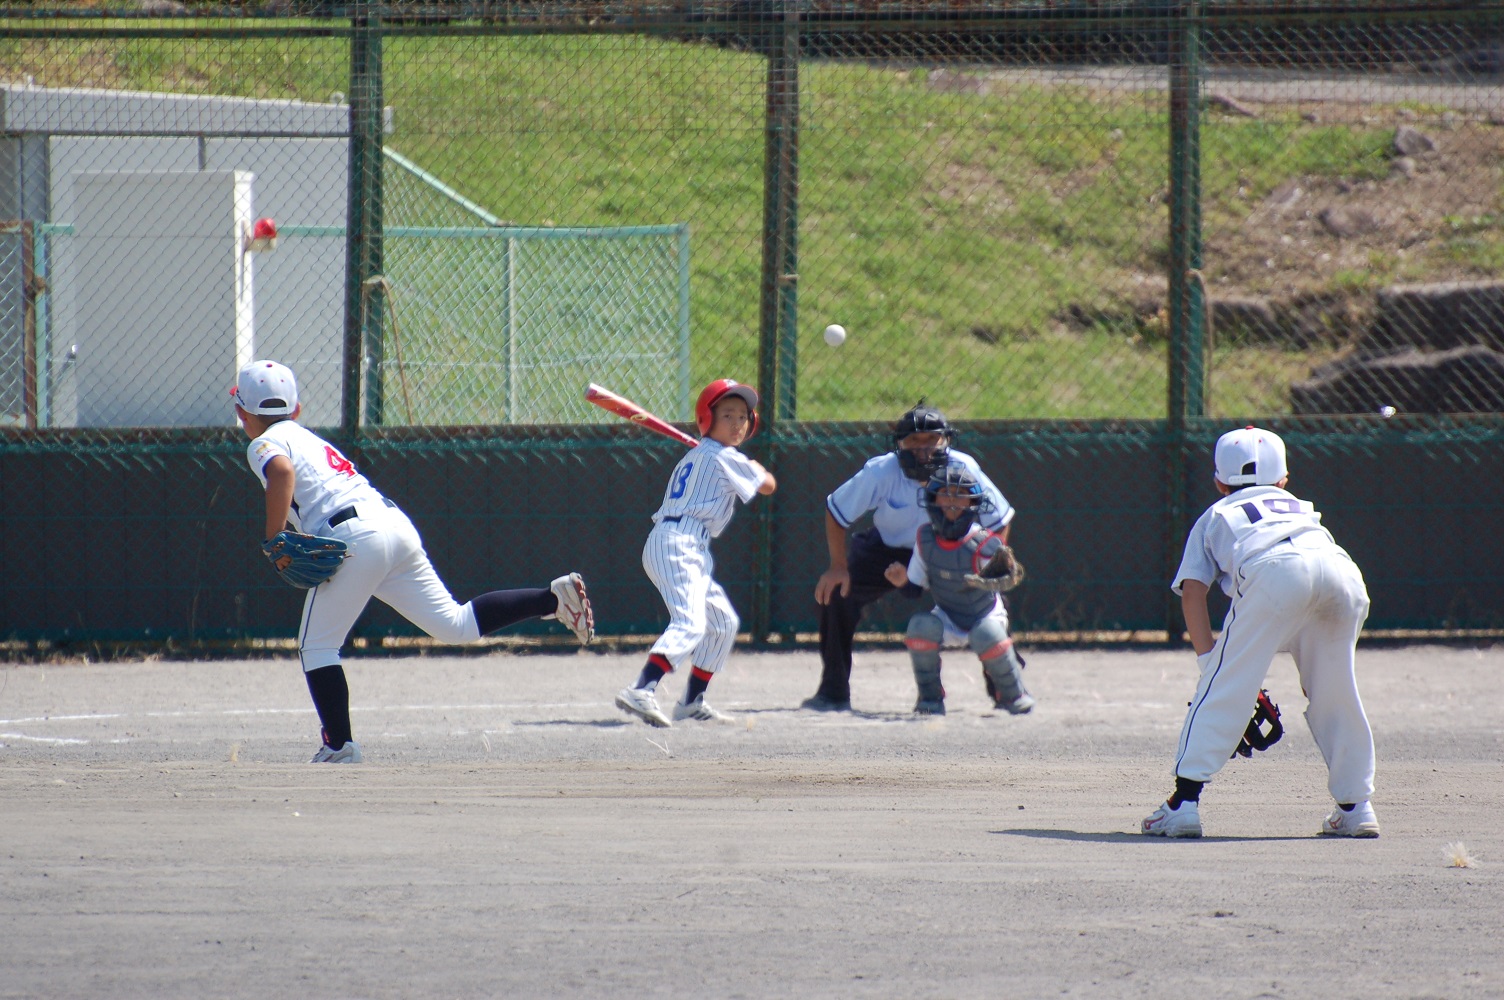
(1243, 525)
(706, 484)
(325, 481)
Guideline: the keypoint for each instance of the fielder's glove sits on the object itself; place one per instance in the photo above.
(1256, 737)
(1002, 573)
(304, 560)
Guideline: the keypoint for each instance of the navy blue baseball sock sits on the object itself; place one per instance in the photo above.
(331, 699)
(699, 680)
(653, 672)
(499, 608)
(1186, 790)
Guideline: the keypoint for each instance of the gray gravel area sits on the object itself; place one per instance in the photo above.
(512, 834)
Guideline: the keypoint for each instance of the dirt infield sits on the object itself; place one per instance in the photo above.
(512, 834)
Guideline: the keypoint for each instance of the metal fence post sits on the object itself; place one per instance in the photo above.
(778, 326)
(1187, 372)
(31, 355)
(364, 254)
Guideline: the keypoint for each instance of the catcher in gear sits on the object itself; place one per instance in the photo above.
(952, 556)
(349, 543)
(857, 576)
(1293, 589)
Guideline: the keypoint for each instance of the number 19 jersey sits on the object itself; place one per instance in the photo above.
(1243, 525)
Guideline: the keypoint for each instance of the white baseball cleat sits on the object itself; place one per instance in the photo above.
(1358, 822)
(574, 607)
(699, 711)
(643, 704)
(1167, 822)
(347, 754)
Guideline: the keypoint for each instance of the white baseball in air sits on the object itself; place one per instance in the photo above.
(1386, 412)
(835, 335)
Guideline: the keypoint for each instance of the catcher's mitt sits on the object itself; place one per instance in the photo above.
(1001, 573)
(304, 560)
(1256, 737)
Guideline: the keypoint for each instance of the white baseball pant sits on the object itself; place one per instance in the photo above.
(387, 562)
(702, 623)
(1311, 603)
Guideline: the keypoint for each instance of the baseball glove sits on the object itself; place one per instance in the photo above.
(1001, 573)
(304, 560)
(1256, 737)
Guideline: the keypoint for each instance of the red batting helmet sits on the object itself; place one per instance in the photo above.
(719, 390)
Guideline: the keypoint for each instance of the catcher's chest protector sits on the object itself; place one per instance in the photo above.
(947, 569)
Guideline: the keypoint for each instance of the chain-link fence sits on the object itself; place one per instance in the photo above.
(1096, 234)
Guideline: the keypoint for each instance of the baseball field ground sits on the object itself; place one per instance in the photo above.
(512, 834)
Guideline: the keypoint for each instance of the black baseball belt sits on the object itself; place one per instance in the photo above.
(341, 516)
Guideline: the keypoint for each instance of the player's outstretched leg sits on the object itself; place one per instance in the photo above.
(923, 639)
(574, 607)
(1001, 669)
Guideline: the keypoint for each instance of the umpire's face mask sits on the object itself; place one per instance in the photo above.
(922, 454)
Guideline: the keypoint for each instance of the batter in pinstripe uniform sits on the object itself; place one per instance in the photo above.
(697, 505)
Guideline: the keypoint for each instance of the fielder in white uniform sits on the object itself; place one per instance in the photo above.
(1294, 590)
(311, 485)
(697, 505)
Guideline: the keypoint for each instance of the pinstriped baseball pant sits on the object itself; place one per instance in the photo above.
(1311, 603)
(702, 623)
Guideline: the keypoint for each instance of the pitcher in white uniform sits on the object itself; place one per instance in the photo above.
(1293, 590)
(311, 485)
(697, 505)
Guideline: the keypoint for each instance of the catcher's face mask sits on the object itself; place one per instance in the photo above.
(954, 501)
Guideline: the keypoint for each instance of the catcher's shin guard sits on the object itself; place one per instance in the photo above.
(923, 639)
(1001, 668)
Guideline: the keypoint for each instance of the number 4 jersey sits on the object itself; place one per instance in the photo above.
(324, 480)
(1242, 525)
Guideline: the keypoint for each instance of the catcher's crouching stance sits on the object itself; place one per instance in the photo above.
(1293, 589)
(966, 568)
(364, 547)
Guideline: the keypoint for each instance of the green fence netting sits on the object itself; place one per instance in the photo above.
(1095, 233)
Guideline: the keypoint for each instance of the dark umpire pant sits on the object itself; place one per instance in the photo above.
(866, 559)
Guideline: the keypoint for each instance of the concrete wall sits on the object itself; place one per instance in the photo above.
(155, 289)
(297, 152)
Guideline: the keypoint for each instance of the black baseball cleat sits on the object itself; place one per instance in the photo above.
(820, 703)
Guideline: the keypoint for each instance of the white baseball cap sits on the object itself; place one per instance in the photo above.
(1250, 456)
(266, 388)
